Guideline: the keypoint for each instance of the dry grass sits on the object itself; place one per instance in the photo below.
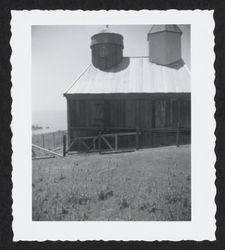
(150, 184)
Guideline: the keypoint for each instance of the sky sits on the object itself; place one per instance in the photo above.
(61, 53)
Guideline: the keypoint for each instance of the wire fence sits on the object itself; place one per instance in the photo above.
(50, 141)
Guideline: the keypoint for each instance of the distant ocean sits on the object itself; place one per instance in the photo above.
(50, 121)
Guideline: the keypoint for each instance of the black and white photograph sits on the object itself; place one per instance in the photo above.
(115, 144)
(113, 125)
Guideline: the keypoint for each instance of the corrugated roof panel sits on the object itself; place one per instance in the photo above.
(136, 75)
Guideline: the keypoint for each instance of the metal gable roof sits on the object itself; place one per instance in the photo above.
(133, 75)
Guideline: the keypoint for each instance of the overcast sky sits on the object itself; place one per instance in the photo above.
(61, 53)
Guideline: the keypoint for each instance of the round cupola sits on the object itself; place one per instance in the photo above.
(107, 49)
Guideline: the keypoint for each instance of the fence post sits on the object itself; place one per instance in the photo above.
(137, 138)
(64, 145)
(116, 142)
(33, 153)
(78, 142)
(43, 140)
(53, 135)
(99, 142)
(178, 135)
(94, 143)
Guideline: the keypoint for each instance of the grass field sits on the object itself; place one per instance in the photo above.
(149, 184)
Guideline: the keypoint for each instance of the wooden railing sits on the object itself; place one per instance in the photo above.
(50, 153)
(100, 138)
(108, 141)
(103, 137)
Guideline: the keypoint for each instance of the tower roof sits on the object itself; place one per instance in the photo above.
(107, 37)
(160, 28)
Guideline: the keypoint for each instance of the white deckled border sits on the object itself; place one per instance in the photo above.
(202, 226)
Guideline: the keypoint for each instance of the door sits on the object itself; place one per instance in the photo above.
(97, 113)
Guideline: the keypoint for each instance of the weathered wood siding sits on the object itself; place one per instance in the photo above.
(157, 117)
